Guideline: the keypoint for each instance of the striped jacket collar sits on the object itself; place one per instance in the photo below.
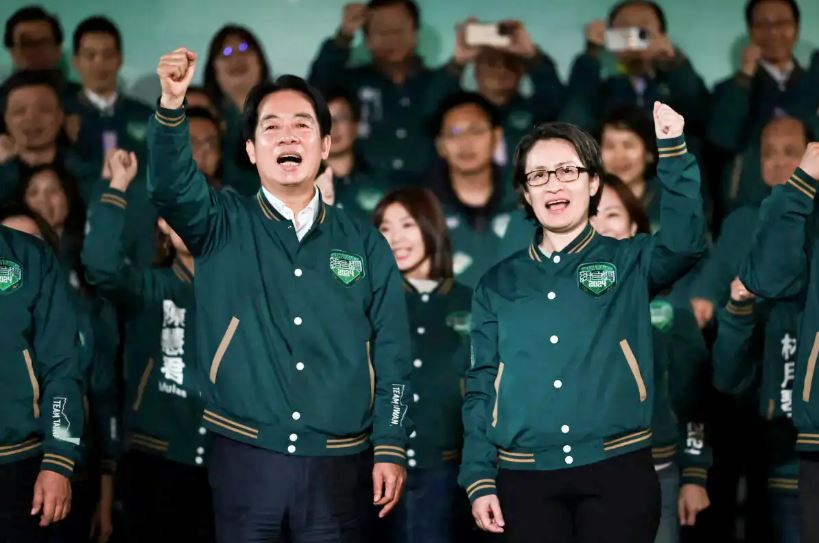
(577, 245)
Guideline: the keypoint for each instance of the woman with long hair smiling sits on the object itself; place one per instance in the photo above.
(413, 223)
(558, 406)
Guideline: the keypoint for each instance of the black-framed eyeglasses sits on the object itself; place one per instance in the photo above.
(564, 174)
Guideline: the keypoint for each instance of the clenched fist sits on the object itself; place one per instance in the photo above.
(751, 56)
(667, 122)
(123, 167)
(175, 73)
(739, 293)
(352, 18)
(810, 160)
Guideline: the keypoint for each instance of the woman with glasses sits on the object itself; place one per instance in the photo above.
(236, 63)
(559, 398)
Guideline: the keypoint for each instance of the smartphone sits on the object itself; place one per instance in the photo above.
(619, 40)
(488, 34)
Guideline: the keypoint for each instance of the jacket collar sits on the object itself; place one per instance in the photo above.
(577, 245)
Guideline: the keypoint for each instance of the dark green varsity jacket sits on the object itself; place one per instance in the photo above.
(303, 344)
(439, 328)
(784, 262)
(41, 406)
(163, 404)
(760, 337)
(562, 368)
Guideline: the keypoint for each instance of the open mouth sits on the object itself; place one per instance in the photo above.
(290, 160)
(557, 205)
(401, 254)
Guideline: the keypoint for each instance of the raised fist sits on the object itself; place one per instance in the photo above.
(750, 59)
(175, 73)
(595, 33)
(810, 160)
(123, 167)
(667, 122)
(352, 18)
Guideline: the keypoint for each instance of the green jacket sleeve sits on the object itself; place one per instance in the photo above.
(103, 255)
(177, 188)
(696, 455)
(390, 348)
(547, 99)
(733, 354)
(329, 66)
(731, 106)
(584, 93)
(778, 264)
(480, 465)
(55, 346)
(680, 242)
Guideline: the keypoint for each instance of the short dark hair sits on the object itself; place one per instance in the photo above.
(283, 83)
(658, 11)
(752, 4)
(411, 6)
(342, 93)
(31, 14)
(27, 78)
(635, 119)
(98, 24)
(634, 207)
(460, 99)
(586, 146)
(424, 207)
(19, 209)
(215, 49)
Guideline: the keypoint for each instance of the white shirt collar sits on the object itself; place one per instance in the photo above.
(306, 217)
(779, 75)
(424, 286)
(99, 101)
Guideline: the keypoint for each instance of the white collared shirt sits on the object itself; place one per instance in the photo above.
(424, 286)
(301, 222)
(779, 75)
(100, 102)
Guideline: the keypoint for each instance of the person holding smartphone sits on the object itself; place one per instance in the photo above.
(642, 67)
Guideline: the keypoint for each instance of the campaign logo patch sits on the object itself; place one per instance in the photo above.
(597, 278)
(347, 267)
(662, 315)
(11, 276)
(460, 321)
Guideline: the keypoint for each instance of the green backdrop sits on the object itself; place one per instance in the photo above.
(711, 32)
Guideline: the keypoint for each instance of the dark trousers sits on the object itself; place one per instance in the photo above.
(614, 501)
(809, 497)
(16, 494)
(263, 496)
(77, 525)
(165, 501)
(427, 512)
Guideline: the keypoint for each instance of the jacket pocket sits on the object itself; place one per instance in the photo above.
(498, 380)
(635, 369)
(143, 382)
(814, 352)
(223, 346)
(371, 369)
(35, 385)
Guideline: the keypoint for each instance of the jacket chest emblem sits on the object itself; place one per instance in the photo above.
(597, 278)
(11, 276)
(346, 267)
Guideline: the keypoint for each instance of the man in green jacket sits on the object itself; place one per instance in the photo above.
(398, 93)
(41, 409)
(302, 331)
(784, 262)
